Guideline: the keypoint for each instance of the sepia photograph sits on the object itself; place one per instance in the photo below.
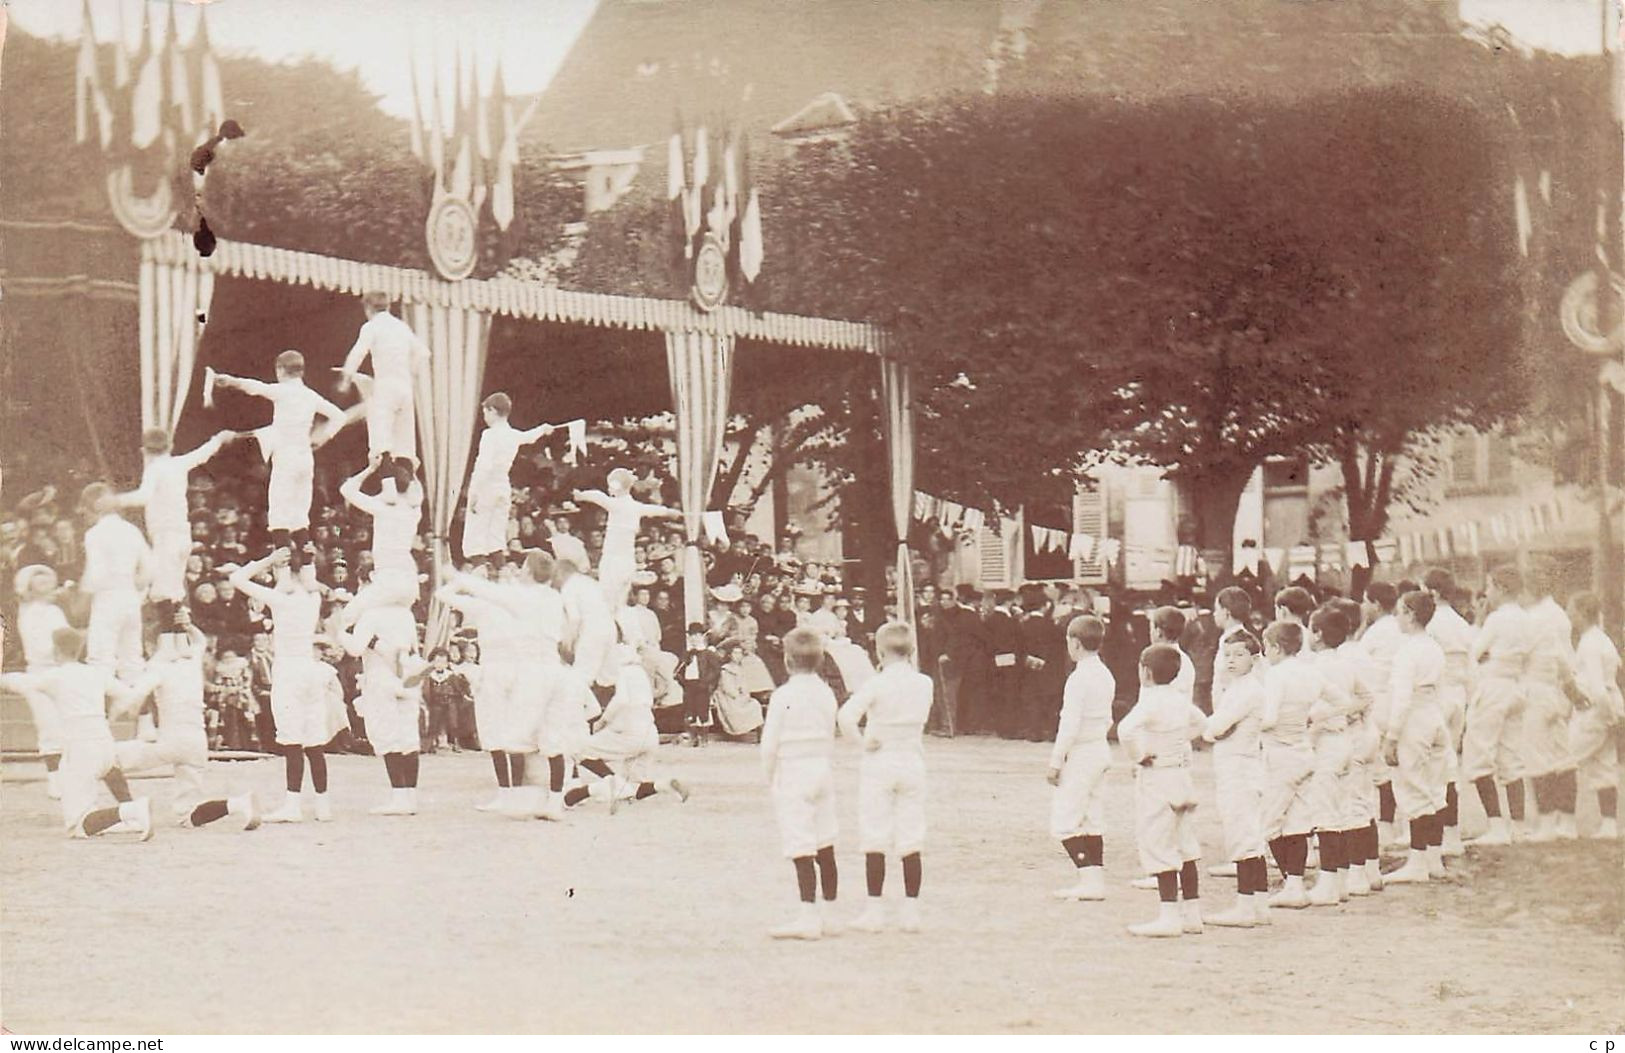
(811, 517)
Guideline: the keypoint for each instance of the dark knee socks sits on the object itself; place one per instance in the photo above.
(1387, 807)
(806, 878)
(1333, 850)
(645, 789)
(912, 873)
(1515, 800)
(392, 765)
(874, 872)
(1608, 802)
(575, 796)
(1252, 875)
(826, 870)
(117, 785)
(208, 812)
(1085, 850)
(1488, 796)
(597, 767)
(1291, 852)
(516, 769)
(499, 761)
(1168, 886)
(99, 820)
(555, 773)
(1187, 880)
(409, 770)
(293, 763)
(318, 768)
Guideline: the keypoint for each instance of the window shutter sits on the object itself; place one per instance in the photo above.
(994, 559)
(1089, 517)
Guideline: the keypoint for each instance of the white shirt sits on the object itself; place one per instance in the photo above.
(499, 445)
(393, 347)
(1161, 725)
(538, 613)
(80, 692)
(631, 708)
(585, 605)
(1551, 653)
(294, 409)
(1233, 727)
(163, 488)
(1086, 709)
(1382, 638)
(625, 514)
(800, 722)
(640, 625)
(116, 555)
(37, 624)
(394, 526)
(897, 701)
(1501, 647)
(494, 625)
(1292, 687)
(1418, 670)
(1455, 637)
(396, 632)
(1362, 689)
(179, 694)
(1596, 667)
(1331, 713)
(295, 616)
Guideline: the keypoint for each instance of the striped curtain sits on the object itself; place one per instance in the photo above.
(170, 297)
(448, 403)
(897, 389)
(701, 370)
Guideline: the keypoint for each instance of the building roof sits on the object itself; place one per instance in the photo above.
(639, 63)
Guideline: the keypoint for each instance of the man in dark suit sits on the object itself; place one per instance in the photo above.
(1046, 665)
(1001, 708)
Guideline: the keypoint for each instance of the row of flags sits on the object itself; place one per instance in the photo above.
(1468, 538)
(714, 195)
(476, 158)
(154, 104)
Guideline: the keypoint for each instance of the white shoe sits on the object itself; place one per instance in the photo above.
(1357, 883)
(908, 915)
(496, 803)
(1222, 870)
(1414, 872)
(1542, 829)
(1325, 893)
(1566, 829)
(1388, 835)
(552, 808)
(1607, 830)
(804, 926)
(827, 921)
(1147, 883)
(288, 812)
(873, 918)
(242, 808)
(1168, 922)
(136, 818)
(1499, 833)
(1240, 916)
(1190, 916)
(1373, 875)
(680, 790)
(322, 808)
(1091, 886)
(399, 803)
(1292, 895)
(1452, 847)
(1435, 858)
(1261, 908)
(52, 789)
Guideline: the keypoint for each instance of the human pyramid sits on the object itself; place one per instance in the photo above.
(1325, 731)
(1333, 726)
(555, 657)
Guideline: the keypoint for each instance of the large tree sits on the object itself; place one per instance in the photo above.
(1196, 283)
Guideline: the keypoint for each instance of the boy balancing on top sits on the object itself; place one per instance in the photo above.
(798, 740)
(893, 706)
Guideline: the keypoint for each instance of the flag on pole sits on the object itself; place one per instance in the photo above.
(180, 87)
(750, 239)
(87, 83)
(715, 528)
(417, 106)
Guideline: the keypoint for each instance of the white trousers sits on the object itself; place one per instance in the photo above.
(186, 749)
(891, 802)
(170, 551)
(804, 805)
(113, 637)
(391, 422)
(1078, 805)
(485, 522)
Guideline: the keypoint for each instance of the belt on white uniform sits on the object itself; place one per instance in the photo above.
(1168, 762)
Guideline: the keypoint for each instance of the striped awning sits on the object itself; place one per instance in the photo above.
(517, 298)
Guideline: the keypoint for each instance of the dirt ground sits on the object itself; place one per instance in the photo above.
(654, 920)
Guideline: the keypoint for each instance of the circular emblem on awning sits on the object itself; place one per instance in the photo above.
(710, 275)
(451, 234)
